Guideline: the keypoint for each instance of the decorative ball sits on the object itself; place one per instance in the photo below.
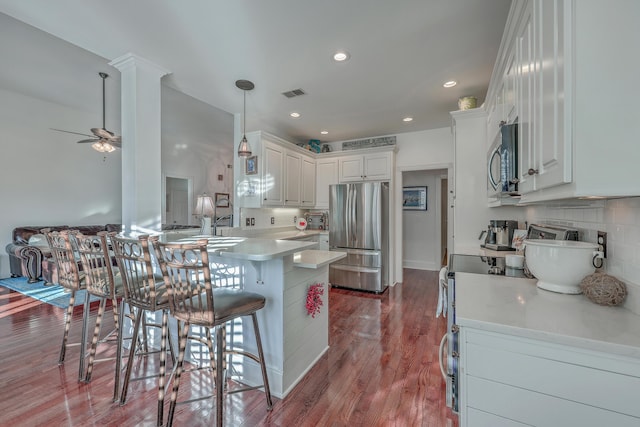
(603, 289)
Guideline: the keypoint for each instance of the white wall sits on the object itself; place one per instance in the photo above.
(47, 178)
(421, 229)
(197, 143)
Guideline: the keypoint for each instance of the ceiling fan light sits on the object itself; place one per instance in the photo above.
(244, 150)
(103, 147)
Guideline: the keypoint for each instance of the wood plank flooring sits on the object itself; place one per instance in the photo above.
(381, 370)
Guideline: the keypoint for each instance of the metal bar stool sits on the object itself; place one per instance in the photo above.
(70, 278)
(186, 269)
(144, 292)
(102, 280)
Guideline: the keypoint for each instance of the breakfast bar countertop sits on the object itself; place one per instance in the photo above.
(515, 306)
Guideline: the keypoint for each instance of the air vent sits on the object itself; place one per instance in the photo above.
(293, 93)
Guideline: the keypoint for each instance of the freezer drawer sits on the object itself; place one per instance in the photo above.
(356, 277)
(362, 257)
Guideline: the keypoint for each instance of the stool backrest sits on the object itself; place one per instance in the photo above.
(96, 263)
(63, 253)
(133, 257)
(187, 276)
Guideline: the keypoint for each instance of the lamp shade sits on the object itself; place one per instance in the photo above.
(244, 150)
(205, 206)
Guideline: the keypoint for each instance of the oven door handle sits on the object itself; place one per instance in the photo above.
(443, 344)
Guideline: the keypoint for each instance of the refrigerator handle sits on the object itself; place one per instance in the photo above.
(354, 217)
(376, 217)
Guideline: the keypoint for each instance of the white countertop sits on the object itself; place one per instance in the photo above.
(517, 307)
(312, 258)
(245, 248)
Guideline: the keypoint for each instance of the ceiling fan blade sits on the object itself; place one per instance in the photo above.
(102, 133)
(116, 144)
(84, 141)
(67, 131)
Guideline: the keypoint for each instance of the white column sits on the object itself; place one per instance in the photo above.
(141, 143)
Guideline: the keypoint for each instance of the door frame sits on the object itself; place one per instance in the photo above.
(189, 195)
(398, 210)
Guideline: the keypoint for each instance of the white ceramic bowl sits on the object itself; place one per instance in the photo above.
(560, 265)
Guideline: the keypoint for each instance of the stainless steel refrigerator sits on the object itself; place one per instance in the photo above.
(359, 226)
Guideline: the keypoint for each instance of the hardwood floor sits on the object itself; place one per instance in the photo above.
(381, 370)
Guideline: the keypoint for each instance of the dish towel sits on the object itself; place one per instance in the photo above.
(441, 307)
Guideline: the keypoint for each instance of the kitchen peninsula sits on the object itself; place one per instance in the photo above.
(282, 271)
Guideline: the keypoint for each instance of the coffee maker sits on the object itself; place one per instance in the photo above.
(500, 235)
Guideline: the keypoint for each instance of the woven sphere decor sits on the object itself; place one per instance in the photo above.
(603, 289)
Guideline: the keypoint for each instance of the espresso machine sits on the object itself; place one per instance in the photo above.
(500, 235)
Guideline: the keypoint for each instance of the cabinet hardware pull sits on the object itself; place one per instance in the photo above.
(532, 171)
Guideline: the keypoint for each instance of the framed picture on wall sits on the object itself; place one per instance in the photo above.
(222, 200)
(251, 165)
(414, 198)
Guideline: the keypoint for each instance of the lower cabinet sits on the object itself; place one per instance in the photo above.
(509, 380)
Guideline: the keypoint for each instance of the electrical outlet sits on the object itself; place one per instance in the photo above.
(248, 222)
(253, 222)
(602, 242)
(273, 220)
(295, 219)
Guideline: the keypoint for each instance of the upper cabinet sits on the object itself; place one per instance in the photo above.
(285, 175)
(565, 74)
(308, 183)
(366, 167)
(326, 175)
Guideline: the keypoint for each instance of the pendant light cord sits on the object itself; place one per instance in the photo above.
(244, 113)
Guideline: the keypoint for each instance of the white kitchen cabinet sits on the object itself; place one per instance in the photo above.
(285, 175)
(308, 185)
(511, 379)
(575, 94)
(326, 175)
(366, 167)
(292, 175)
(273, 176)
(543, 77)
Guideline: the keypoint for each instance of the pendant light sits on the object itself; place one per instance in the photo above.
(244, 150)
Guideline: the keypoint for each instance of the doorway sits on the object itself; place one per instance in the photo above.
(178, 199)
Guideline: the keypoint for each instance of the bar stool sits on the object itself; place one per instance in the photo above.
(185, 267)
(144, 293)
(70, 278)
(102, 280)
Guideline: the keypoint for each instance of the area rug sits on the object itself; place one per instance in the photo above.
(51, 294)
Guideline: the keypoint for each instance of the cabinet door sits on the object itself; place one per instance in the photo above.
(377, 166)
(510, 111)
(308, 196)
(273, 176)
(525, 100)
(327, 174)
(351, 168)
(553, 154)
(293, 165)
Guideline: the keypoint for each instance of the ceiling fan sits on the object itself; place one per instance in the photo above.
(102, 139)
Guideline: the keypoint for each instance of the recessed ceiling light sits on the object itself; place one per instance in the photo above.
(407, 119)
(295, 115)
(341, 56)
(450, 83)
(324, 132)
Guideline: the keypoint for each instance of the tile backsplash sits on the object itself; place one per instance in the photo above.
(620, 218)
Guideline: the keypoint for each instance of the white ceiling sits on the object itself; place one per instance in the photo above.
(401, 53)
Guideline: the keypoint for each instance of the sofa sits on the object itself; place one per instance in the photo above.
(30, 257)
(29, 254)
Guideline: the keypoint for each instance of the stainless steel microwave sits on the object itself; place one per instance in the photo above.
(502, 164)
